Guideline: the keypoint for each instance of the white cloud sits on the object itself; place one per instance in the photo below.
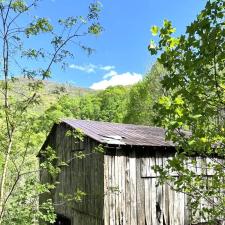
(91, 68)
(110, 74)
(124, 79)
(107, 68)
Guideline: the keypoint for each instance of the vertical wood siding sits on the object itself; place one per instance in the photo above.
(84, 174)
(132, 196)
(121, 187)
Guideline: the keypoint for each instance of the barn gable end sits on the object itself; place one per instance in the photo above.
(84, 174)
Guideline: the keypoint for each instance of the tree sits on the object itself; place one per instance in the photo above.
(143, 96)
(108, 105)
(195, 102)
(20, 133)
(113, 104)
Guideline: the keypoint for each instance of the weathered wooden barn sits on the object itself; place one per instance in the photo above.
(120, 185)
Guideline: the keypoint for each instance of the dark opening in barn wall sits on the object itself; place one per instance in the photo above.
(62, 220)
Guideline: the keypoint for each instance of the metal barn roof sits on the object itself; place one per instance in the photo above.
(120, 134)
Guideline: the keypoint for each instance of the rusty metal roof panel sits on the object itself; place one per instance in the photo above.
(120, 134)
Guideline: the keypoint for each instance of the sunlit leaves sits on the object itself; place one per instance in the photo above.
(179, 100)
(49, 161)
(167, 29)
(95, 29)
(46, 73)
(154, 30)
(77, 196)
(194, 101)
(99, 149)
(76, 135)
(79, 155)
(33, 53)
(165, 101)
(68, 22)
(143, 96)
(19, 6)
(94, 10)
(26, 195)
(42, 25)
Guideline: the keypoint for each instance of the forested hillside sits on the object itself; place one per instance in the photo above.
(50, 91)
(131, 104)
(121, 104)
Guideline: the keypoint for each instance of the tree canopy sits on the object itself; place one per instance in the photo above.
(21, 136)
(194, 101)
(143, 96)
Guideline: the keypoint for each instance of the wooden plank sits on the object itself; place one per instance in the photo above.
(186, 210)
(165, 196)
(116, 188)
(121, 179)
(133, 188)
(159, 192)
(166, 204)
(106, 193)
(87, 183)
(159, 204)
(176, 203)
(128, 193)
(111, 205)
(180, 207)
(113, 209)
(147, 205)
(95, 182)
(171, 206)
(153, 201)
(199, 165)
(100, 176)
(123, 190)
(145, 172)
(152, 163)
(140, 194)
(146, 167)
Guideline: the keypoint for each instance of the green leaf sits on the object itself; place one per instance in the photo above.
(154, 30)
(41, 25)
(179, 100)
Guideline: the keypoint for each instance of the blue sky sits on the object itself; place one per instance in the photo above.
(121, 54)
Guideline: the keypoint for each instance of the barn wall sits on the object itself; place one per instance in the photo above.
(131, 194)
(120, 184)
(44, 175)
(84, 174)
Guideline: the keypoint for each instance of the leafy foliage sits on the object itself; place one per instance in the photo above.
(194, 101)
(109, 105)
(143, 96)
(21, 135)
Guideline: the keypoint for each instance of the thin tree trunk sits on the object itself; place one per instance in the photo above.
(7, 119)
(3, 179)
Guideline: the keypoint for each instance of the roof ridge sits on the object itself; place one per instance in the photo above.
(107, 122)
(137, 135)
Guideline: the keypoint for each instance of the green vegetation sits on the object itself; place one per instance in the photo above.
(143, 97)
(188, 79)
(194, 100)
(115, 104)
(21, 105)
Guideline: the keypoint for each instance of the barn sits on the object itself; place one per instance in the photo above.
(120, 185)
